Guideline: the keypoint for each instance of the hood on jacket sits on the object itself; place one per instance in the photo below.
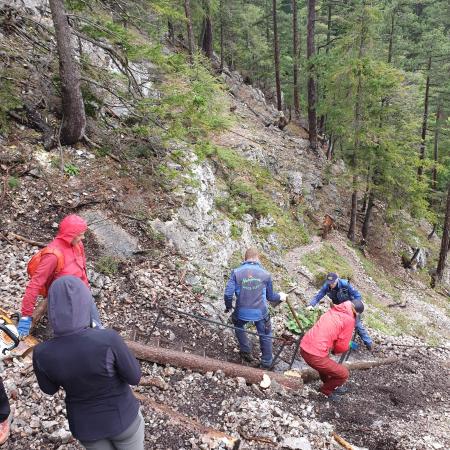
(345, 307)
(69, 306)
(70, 227)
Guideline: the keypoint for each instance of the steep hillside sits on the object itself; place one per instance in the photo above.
(179, 174)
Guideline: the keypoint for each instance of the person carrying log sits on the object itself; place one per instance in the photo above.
(94, 367)
(63, 256)
(339, 291)
(252, 286)
(331, 333)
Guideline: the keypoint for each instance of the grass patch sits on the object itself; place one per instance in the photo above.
(107, 265)
(327, 259)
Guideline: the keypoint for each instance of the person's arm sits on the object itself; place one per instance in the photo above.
(45, 383)
(230, 289)
(342, 342)
(40, 278)
(271, 296)
(126, 364)
(353, 293)
(320, 295)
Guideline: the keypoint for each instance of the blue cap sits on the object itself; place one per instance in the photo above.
(332, 277)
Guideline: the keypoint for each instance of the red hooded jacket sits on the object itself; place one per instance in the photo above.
(333, 331)
(74, 261)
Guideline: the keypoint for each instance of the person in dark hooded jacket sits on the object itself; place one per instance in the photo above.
(94, 367)
(69, 243)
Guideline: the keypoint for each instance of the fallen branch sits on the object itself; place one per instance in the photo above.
(341, 441)
(262, 439)
(18, 237)
(308, 375)
(209, 435)
(155, 382)
(203, 364)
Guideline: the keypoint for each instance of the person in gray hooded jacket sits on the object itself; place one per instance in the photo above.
(94, 367)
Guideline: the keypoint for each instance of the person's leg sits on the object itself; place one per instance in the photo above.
(241, 335)
(264, 328)
(4, 414)
(332, 373)
(133, 437)
(363, 334)
(102, 444)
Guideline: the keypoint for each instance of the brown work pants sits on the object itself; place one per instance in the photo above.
(331, 373)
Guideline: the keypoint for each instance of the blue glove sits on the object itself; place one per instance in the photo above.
(353, 345)
(24, 326)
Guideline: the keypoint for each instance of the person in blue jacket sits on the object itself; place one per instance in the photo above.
(252, 286)
(339, 291)
(94, 367)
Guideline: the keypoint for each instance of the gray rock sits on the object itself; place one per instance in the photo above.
(296, 443)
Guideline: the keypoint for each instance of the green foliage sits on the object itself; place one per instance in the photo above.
(327, 259)
(236, 231)
(71, 169)
(9, 99)
(107, 265)
(307, 319)
(13, 182)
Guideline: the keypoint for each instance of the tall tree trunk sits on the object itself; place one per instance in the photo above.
(171, 31)
(365, 227)
(295, 58)
(435, 151)
(425, 120)
(267, 21)
(391, 37)
(445, 241)
(276, 54)
(190, 34)
(74, 118)
(221, 36)
(312, 119)
(322, 118)
(358, 124)
(207, 42)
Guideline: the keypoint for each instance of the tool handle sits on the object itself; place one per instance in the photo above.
(15, 339)
(294, 314)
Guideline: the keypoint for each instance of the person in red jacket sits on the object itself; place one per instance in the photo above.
(69, 241)
(332, 332)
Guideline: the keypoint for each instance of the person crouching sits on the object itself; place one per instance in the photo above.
(332, 333)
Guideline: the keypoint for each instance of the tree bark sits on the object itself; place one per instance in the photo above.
(276, 54)
(190, 34)
(207, 42)
(312, 118)
(222, 46)
(74, 118)
(424, 120)
(353, 212)
(435, 151)
(202, 364)
(391, 37)
(295, 58)
(365, 227)
(445, 242)
(311, 375)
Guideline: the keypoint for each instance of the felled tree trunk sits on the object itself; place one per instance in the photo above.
(201, 364)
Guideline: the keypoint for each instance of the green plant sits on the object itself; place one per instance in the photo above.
(107, 265)
(13, 182)
(71, 169)
(236, 231)
(306, 317)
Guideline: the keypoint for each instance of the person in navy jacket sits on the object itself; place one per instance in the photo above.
(252, 286)
(340, 291)
(95, 368)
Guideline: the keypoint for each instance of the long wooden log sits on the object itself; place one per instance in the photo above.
(209, 435)
(311, 374)
(201, 364)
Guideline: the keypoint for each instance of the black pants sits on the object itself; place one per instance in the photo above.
(4, 403)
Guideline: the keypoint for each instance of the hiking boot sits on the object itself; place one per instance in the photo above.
(341, 390)
(246, 356)
(4, 431)
(369, 347)
(334, 398)
(265, 366)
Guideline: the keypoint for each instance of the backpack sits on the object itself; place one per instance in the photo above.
(34, 262)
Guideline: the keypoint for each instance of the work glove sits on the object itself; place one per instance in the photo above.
(227, 310)
(353, 345)
(283, 296)
(24, 326)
